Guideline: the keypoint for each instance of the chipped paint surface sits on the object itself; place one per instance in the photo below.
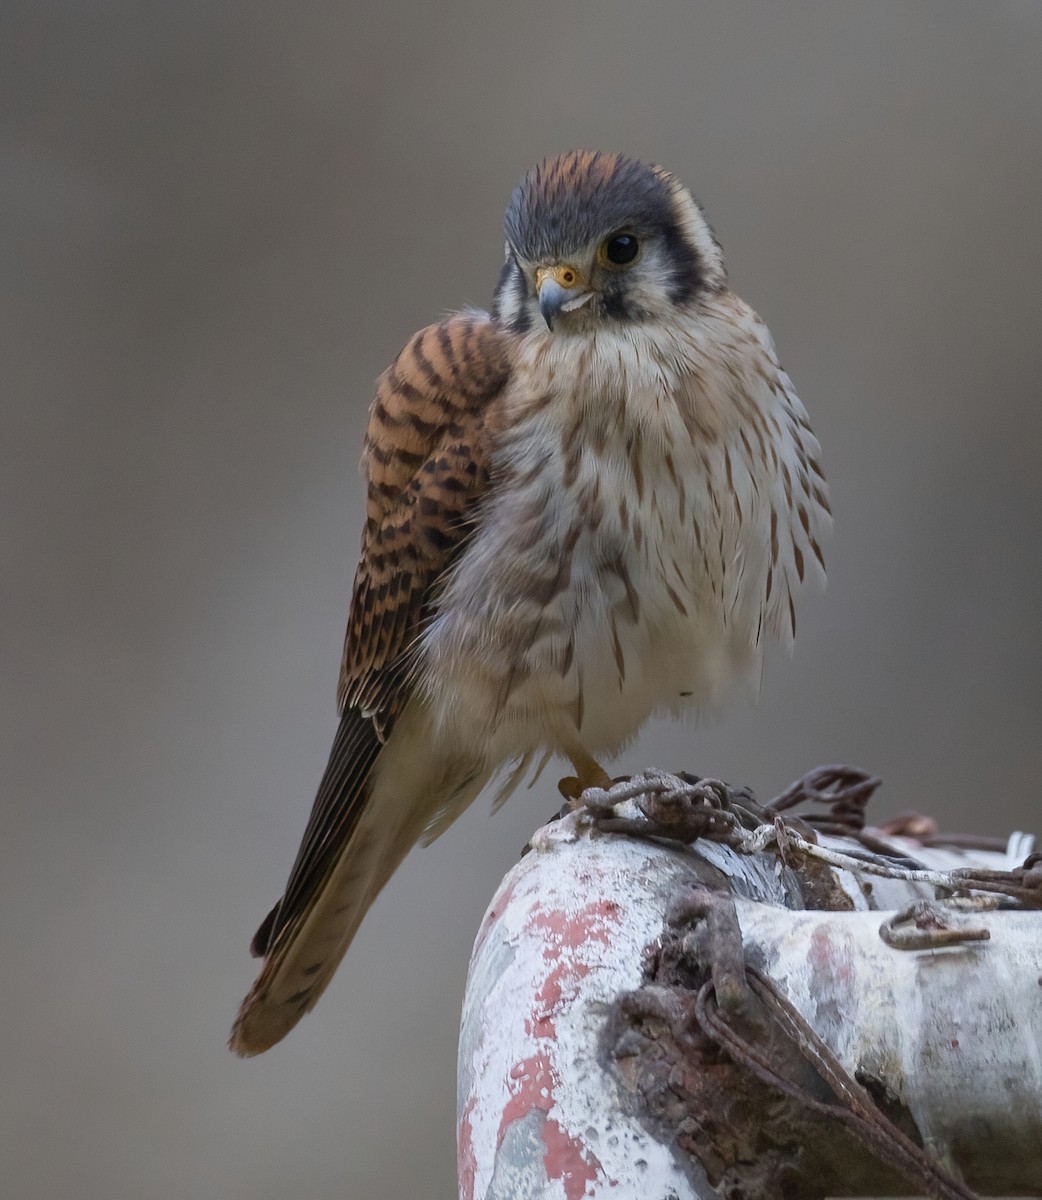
(955, 1033)
(532, 1085)
(539, 1118)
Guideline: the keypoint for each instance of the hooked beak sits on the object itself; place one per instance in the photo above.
(560, 289)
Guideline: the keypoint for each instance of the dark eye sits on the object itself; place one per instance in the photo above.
(621, 248)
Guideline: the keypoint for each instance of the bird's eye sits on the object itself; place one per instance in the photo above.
(620, 249)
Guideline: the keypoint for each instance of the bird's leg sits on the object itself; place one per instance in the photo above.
(589, 774)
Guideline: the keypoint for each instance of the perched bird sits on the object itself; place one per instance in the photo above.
(595, 503)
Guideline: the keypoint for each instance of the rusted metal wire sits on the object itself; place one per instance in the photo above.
(925, 925)
(719, 996)
(854, 1106)
(685, 808)
(701, 985)
(923, 829)
(724, 1011)
(845, 791)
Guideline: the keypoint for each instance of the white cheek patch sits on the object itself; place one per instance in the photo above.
(647, 287)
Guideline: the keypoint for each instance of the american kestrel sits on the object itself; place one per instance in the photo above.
(592, 504)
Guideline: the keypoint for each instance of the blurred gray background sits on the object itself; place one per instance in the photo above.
(219, 222)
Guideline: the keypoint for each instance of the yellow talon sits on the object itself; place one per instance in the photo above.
(589, 774)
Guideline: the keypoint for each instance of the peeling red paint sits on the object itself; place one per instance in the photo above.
(566, 1160)
(572, 930)
(563, 932)
(548, 998)
(532, 1085)
(466, 1159)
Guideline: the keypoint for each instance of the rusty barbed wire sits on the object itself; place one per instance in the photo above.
(685, 808)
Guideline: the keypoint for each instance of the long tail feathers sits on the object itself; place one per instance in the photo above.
(299, 967)
(372, 806)
(306, 934)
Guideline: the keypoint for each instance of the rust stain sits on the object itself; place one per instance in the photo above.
(833, 976)
(829, 961)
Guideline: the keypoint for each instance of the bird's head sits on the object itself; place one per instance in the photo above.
(596, 238)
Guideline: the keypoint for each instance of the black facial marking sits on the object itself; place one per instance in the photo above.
(686, 268)
(615, 304)
(509, 307)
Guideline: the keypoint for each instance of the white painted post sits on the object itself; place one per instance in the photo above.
(956, 1033)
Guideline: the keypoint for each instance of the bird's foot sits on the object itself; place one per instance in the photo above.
(589, 774)
(582, 794)
(572, 788)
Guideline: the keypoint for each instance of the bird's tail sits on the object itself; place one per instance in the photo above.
(377, 820)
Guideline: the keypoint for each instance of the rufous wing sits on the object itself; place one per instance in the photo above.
(427, 458)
